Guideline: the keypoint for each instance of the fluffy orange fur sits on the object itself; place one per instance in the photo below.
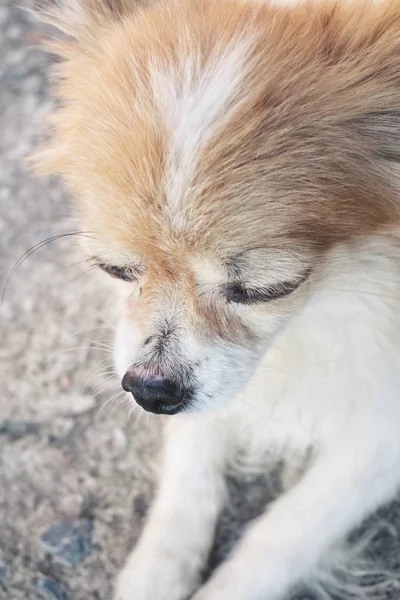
(308, 158)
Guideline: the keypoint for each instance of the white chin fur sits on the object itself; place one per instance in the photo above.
(330, 384)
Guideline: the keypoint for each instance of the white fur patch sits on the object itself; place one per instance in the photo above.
(195, 101)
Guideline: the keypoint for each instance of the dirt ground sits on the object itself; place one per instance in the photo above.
(75, 472)
(68, 456)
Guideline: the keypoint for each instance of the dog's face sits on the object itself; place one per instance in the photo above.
(206, 286)
(197, 316)
(218, 151)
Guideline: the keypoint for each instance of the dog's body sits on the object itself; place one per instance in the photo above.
(313, 375)
(237, 164)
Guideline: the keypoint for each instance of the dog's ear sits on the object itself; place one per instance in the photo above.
(78, 18)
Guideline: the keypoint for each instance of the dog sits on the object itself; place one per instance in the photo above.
(236, 166)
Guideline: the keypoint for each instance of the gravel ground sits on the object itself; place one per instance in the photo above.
(69, 459)
(76, 473)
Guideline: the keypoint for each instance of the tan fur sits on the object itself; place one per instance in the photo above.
(308, 159)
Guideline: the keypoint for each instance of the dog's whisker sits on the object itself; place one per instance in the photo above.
(34, 249)
(107, 383)
(116, 399)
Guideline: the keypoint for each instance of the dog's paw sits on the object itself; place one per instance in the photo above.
(152, 577)
(233, 580)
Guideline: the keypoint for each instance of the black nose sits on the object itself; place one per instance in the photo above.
(155, 394)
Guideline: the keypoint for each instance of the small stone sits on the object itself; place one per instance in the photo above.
(70, 539)
(4, 14)
(61, 429)
(119, 439)
(5, 192)
(64, 383)
(14, 32)
(69, 505)
(140, 505)
(17, 428)
(50, 588)
(3, 572)
(89, 505)
(67, 405)
(77, 404)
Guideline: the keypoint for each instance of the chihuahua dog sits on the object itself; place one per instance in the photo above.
(236, 165)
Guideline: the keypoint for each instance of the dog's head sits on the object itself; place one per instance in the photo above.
(219, 150)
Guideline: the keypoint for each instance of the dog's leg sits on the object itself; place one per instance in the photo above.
(284, 546)
(174, 545)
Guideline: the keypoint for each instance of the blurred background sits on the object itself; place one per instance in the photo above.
(76, 471)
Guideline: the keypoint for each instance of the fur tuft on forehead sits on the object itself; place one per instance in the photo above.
(221, 121)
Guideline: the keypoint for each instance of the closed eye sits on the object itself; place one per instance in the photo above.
(237, 293)
(125, 273)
